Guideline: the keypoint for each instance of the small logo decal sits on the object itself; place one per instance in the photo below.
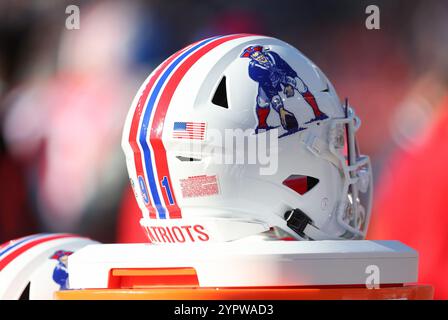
(60, 272)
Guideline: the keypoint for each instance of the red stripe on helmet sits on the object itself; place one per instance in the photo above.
(17, 252)
(133, 134)
(160, 114)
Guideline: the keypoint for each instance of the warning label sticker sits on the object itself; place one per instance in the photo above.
(199, 186)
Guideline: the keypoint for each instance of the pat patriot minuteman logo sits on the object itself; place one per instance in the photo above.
(275, 75)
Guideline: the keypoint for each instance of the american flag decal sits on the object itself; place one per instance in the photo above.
(189, 130)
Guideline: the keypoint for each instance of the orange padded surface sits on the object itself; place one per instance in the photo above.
(411, 292)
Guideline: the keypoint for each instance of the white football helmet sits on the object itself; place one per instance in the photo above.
(240, 135)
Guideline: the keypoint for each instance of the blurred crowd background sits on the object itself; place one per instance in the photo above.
(64, 95)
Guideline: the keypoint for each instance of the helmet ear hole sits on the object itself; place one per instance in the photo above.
(300, 184)
(220, 96)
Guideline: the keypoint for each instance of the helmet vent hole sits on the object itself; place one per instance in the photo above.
(220, 96)
(300, 184)
(182, 158)
(26, 293)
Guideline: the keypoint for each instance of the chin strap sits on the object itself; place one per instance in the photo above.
(298, 221)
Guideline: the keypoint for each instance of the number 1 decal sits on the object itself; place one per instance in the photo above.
(166, 185)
